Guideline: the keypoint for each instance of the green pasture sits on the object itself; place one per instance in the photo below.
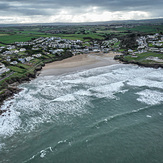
(142, 57)
(3, 34)
(79, 36)
(9, 39)
(109, 31)
(144, 29)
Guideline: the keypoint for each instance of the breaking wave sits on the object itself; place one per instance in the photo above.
(49, 99)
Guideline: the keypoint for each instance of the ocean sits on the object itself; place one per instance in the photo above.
(111, 114)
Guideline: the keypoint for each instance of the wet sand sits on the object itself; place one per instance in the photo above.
(78, 63)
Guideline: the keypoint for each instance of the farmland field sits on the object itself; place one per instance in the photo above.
(9, 35)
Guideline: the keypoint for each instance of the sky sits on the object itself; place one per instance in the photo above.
(51, 11)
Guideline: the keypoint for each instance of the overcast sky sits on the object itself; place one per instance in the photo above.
(48, 11)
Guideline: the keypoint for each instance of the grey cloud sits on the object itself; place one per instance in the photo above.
(9, 9)
(110, 4)
(52, 7)
(4, 6)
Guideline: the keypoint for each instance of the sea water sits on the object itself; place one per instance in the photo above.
(111, 114)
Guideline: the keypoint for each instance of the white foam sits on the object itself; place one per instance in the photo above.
(150, 97)
(107, 90)
(42, 153)
(148, 116)
(65, 98)
(46, 98)
(89, 80)
(62, 141)
(83, 93)
(9, 122)
(149, 77)
(159, 113)
(139, 82)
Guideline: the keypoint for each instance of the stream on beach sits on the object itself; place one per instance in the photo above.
(106, 114)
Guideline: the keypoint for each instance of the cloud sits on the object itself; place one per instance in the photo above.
(79, 10)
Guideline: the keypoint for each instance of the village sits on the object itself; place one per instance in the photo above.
(149, 43)
(43, 47)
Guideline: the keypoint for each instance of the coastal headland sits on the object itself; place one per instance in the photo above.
(141, 60)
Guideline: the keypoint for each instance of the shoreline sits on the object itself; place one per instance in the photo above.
(79, 63)
(66, 65)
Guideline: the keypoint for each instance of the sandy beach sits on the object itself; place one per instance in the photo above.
(78, 63)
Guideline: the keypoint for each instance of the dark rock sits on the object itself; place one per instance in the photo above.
(2, 111)
(38, 68)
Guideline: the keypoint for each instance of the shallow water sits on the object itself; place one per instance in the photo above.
(106, 114)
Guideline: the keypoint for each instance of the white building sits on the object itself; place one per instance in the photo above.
(22, 49)
(3, 69)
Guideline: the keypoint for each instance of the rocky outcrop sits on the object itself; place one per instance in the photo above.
(143, 64)
(6, 93)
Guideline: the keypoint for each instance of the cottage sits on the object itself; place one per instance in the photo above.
(35, 48)
(57, 51)
(154, 49)
(158, 44)
(96, 50)
(13, 62)
(28, 58)
(130, 51)
(11, 47)
(141, 47)
(22, 49)
(37, 55)
(3, 69)
(22, 60)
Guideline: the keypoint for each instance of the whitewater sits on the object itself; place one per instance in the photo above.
(106, 114)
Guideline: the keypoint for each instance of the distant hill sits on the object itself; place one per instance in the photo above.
(145, 21)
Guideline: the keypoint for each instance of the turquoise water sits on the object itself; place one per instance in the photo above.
(109, 114)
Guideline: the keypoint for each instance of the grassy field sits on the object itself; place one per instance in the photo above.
(148, 29)
(2, 45)
(144, 29)
(79, 36)
(17, 69)
(109, 31)
(15, 38)
(2, 34)
(10, 35)
(143, 57)
(32, 32)
(9, 39)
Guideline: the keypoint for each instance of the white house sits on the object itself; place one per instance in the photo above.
(22, 49)
(3, 69)
(22, 60)
(29, 58)
(130, 51)
(37, 55)
(13, 62)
